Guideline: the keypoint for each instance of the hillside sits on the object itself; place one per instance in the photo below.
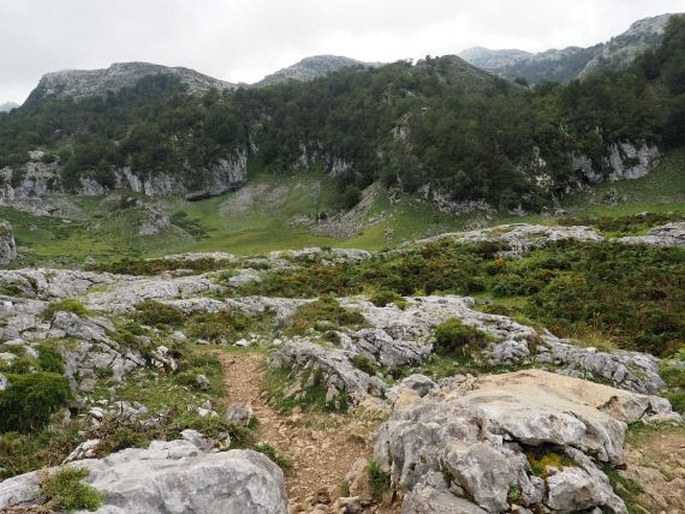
(78, 84)
(313, 67)
(572, 62)
(439, 131)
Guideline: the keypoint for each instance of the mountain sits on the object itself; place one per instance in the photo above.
(440, 128)
(313, 67)
(571, 62)
(79, 84)
(623, 49)
(8, 106)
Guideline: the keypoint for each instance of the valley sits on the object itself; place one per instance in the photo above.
(349, 288)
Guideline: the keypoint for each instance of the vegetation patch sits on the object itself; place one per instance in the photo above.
(31, 399)
(542, 457)
(379, 480)
(151, 267)
(65, 491)
(323, 315)
(453, 338)
(224, 326)
(67, 305)
(159, 315)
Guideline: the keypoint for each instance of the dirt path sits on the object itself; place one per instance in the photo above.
(656, 460)
(322, 448)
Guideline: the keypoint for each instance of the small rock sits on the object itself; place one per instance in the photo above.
(243, 343)
(239, 414)
(97, 413)
(178, 337)
(203, 382)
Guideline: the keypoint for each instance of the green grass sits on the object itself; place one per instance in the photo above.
(66, 492)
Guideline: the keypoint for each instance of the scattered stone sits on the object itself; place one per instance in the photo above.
(85, 450)
(162, 359)
(178, 337)
(240, 414)
(203, 382)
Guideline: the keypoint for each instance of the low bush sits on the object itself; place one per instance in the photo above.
(31, 399)
(65, 491)
(452, 337)
(49, 358)
(379, 480)
(159, 315)
(219, 327)
(67, 305)
(324, 314)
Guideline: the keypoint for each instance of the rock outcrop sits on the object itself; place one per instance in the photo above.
(8, 248)
(313, 67)
(669, 235)
(79, 84)
(166, 477)
(530, 438)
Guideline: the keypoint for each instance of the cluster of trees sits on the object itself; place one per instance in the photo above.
(437, 122)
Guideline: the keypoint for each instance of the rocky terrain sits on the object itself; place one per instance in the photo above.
(313, 67)
(182, 392)
(78, 84)
(562, 65)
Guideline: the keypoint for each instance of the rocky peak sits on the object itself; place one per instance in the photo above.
(571, 62)
(83, 83)
(486, 58)
(312, 67)
(623, 49)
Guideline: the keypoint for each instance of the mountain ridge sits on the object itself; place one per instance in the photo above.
(313, 67)
(79, 84)
(562, 65)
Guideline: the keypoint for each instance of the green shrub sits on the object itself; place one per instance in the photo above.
(379, 480)
(363, 363)
(64, 490)
(30, 400)
(324, 314)
(49, 358)
(21, 453)
(452, 337)
(159, 315)
(67, 305)
(384, 297)
(218, 326)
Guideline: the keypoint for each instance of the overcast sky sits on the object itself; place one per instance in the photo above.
(243, 40)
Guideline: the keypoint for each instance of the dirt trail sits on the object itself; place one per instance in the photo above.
(322, 448)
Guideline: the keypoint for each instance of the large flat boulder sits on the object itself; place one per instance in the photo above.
(532, 437)
(171, 477)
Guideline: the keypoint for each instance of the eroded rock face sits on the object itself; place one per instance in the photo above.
(477, 436)
(8, 248)
(174, 476)
(329, 368)
(521, 237)
(669, 235)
